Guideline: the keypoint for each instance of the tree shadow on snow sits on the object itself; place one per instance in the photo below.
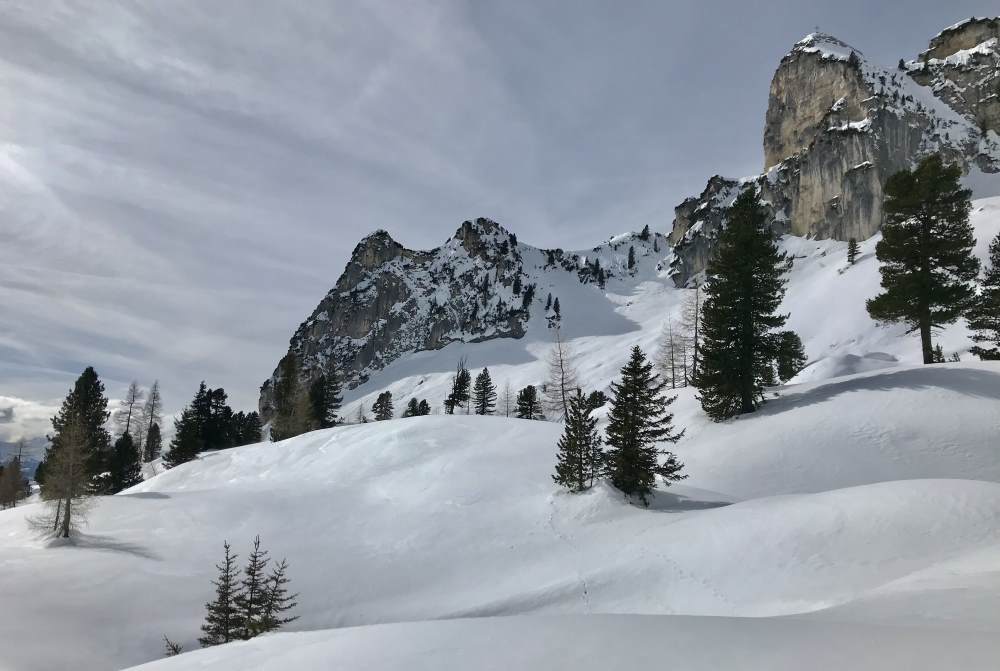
(98, 542)
(669, 502)
(970, 382)
(145, 495)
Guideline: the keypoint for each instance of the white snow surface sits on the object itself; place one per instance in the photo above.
(853, 522)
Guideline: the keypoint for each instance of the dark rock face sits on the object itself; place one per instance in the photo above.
(838, 126)
(390, 300)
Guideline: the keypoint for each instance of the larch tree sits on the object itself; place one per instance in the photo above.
(925, 254)
(67, 478)
(484, 393)
(745, 285)
(579, 458)
(984, 315)
(671, 355)
(508, 401)
(561, 382)
(127, 416)
(152, 411)
(638, 421)
(690, 327)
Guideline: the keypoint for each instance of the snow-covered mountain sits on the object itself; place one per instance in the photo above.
(480, 285)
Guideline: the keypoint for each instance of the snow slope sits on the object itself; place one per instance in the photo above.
(601, 642)
(455, 517)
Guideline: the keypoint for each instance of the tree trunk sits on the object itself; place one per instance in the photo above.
(66, 518)
(925, 339)
(55, 523)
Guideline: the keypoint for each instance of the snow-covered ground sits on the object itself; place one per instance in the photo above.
(456, 517)
(853, 522)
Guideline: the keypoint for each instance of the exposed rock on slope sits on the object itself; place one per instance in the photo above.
(837, 126)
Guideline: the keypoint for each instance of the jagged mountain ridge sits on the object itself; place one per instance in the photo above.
(482, 283)
(837, 126)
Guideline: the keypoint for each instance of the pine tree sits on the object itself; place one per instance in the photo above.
(383, 406)
(561, 382)
(277, 600)
(170, 648)
(745, 286)
(125, 464)
(852, 250)
(791, 355)
(925, 254)
(412, 408)
(528, 406)
(423, 408)
(154, 443)
(222, 619)
(644, 234)
(579, 457)
(460, 385)
(87, 406)
(596, 399)
(484, 394)
(631, 258)
(937, 354)
(984, 316)
(187, 441)
(556, 310)
(246, 428)
(638, 420)
(251, 596)
(334, 397)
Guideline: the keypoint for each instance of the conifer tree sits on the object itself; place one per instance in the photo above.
(423, 408)
(638, 420)
(383, 406)
(170, 648)
(644, 233)
(579, 458)
(277, 600)
(528, 406)
(925, 254)
(791, 355)
(125, 464)
(249, 600)
(154, 443)
(852, 250)
(631, 258)
(484, 394)
(222, 619)
(86, 406)
(412, 408)
(744, 288)
(334, 397)
(984, 316)
(151, 414)
(562, 381)
(460, 388)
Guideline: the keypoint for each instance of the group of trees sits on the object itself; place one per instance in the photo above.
(14, 486)
(929, 272)
(247, 606)
(208, 423)
(677, 347)
(304, 402)
(638, 422)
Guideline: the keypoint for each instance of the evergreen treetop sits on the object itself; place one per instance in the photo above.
(484, 394)
(579, 458)
(984, 315)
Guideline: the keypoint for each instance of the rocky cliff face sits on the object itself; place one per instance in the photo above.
(837, 126)
(481, 284)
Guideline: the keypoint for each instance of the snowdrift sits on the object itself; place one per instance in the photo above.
(795, 510)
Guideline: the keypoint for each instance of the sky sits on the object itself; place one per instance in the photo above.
(182, 181)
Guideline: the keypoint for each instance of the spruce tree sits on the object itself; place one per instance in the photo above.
(154, 443)
(334, 397)
(382, 407)
(277, 600)
(984, 316)
(252, 593)
(745, 286)
(187, 441)
(222, 619)
(125, 464)
(423, 408)
(631, 258)
(484, 394)
(852, 250)
(638, 420)
(925, 254)
(579, 457)
(528, 405)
